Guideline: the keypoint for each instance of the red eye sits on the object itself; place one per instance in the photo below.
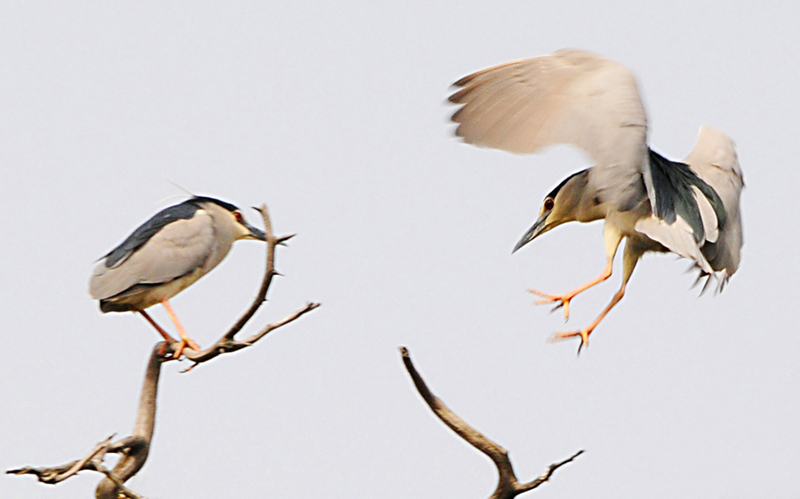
(548, 204)
(238, 216)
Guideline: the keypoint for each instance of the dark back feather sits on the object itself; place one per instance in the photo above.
(672, 182)
(141, 235)
(144, 232)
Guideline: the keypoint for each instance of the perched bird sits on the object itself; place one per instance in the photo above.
(690, 208)
(165, 255)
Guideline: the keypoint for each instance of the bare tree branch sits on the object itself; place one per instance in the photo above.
(227, 343)
(133, 449)
(547, 474)
(56, 474)
(117, 491)
(508, 486)
(136, 448)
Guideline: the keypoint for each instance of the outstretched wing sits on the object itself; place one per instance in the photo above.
(568, 97)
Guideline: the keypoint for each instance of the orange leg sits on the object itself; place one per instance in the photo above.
(153, 323)
(585, 332)
(185, 340)
(612, 238)
(566, 297)
(629, 261)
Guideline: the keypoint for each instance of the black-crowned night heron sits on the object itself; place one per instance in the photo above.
(165, 255)
(575, 97)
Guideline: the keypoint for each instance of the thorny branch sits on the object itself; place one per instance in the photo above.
(227, 343)
(135, 448)
(508, 486)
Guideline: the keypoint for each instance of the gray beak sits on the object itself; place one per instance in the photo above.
(255, 232)
(538, 228)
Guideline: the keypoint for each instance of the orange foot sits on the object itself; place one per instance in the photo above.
(547, 298)
(583, 333)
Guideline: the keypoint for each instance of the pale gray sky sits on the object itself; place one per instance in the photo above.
(333, 114)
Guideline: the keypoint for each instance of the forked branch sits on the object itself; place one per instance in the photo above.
(508, 486)
(133, 450)
(227, 343)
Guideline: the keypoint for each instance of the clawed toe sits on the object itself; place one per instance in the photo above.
(561, 301)
(583, 333)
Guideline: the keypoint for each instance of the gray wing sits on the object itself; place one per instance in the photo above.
(714, 160)
(568, 97)
(677, 236)
(717, 252)
(686, 212)
(178, 248)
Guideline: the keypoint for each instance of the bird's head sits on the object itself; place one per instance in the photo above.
(245, 230)
(561, 205)
(232, 219)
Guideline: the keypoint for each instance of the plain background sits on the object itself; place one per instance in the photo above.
(334, 114)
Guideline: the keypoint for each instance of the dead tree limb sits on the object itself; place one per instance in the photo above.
(133, 450)
(227, 343)
(508, 486)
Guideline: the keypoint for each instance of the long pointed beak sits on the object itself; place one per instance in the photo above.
(255, 233)
(538, 228)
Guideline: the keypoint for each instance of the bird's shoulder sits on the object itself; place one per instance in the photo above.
(714, 155)
(179, 248)
(183, 211)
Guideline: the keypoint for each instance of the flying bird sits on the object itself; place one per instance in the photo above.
(167, 254)
(690, 208)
